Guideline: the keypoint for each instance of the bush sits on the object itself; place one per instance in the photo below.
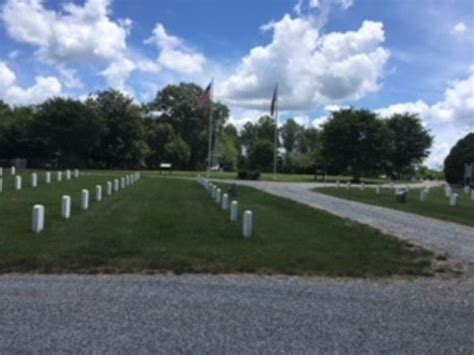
(460, 154)
(248, 174)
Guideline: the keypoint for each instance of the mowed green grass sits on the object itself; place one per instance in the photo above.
(161, 225)
(436, 206)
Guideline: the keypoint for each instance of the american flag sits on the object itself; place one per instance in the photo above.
(273, 106)
(205, 97)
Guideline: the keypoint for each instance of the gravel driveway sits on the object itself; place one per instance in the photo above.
(233, 314)
(454, 239)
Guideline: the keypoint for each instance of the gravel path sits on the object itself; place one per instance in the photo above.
(454, 239)
(233, 314)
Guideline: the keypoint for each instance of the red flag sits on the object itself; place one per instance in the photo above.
(205, 97)
(273, 106)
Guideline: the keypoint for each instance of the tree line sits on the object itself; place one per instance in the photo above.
(109, 130)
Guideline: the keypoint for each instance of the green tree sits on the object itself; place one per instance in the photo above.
(178, 152)
(411, 142)
(460, 154)
(67, 132)
(291, 132)
(123, 144)
(356, 142)
(158, 135)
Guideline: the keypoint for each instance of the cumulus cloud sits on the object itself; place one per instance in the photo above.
(459, 28)
(77, 34)
(174, 54)
(13, 94)
(311, 69)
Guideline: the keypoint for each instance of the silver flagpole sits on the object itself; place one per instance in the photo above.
(209, 157)
(275, 143)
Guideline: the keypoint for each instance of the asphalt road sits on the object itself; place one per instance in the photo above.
(233, 314)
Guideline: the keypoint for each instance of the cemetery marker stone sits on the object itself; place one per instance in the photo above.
(38, 218)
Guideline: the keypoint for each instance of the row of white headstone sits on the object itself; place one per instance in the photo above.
(12, 170)
(111, 186)
(424, 193)
(35, 180)
(222, 199)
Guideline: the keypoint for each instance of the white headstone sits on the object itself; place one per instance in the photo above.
(68, 174)
(377, 189)
(247, 225)
(34, 180)
(127, 180)
(76, 173)
(218, 196)
(453, 199)
(472, 194)
(391, 185)
(116, 185)
(98, 193)
(85, 199)
(234, 211)
(337, 184)
(38, 219)
(448, 191)
(348, 185)
(214, 191)
(466, 189)
(122, 183)
(59, 176)
(13, 170)
(48, 177)
(1, 184)
(225, 202)
(423, 195)
(407, 188)
(66, 206)
(17, 183)
(109, 188)
(1, 171)
(362, 186)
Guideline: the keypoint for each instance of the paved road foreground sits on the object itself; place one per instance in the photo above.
(233, 314)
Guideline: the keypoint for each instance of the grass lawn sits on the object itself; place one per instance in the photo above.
(436, 206)
(161, 225)
(228, 175)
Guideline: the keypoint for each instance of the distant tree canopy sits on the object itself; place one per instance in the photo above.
(461, 153)
(110, 130)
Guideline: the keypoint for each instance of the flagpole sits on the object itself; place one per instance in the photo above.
(209, 157)
(275, 142)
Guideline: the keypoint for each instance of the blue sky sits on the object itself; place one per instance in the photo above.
(389, 56)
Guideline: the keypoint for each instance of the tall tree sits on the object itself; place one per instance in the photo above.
(356, 142)
(67, 131)
(460, 154)
(290, 134)
(123, 145)
(411, 142)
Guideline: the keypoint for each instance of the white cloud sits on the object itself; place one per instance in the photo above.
(174, 54)
(78, 34)
(117, 74)
(13, 94)
(459, 28)
(14, 54)
(302, 120)
(311, 69)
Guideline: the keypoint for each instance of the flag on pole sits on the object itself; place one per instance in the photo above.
(273, 106)
(205, 98)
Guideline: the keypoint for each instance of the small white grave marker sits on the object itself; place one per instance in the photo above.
(122, 183)
(59, 176)
(13, 170)
(453, 199)
(377, 189)
(234, 211)
(362, 187)
(247, 225)
(225, 202)
(76, 173)
(1, 184)
(48, 177)
(34, 180)
(98, 193)
(448, 191)
(466, 189)
(85, 199)
(66, 206)
(18, 183)
(38, 218)
(423, 195)
(218, 196)
(337, 184)
(68, 174)
(116, 185)
(472, 194)
(109, 188)
(1, 171)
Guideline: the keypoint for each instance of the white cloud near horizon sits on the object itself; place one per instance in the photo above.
(13, 94)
